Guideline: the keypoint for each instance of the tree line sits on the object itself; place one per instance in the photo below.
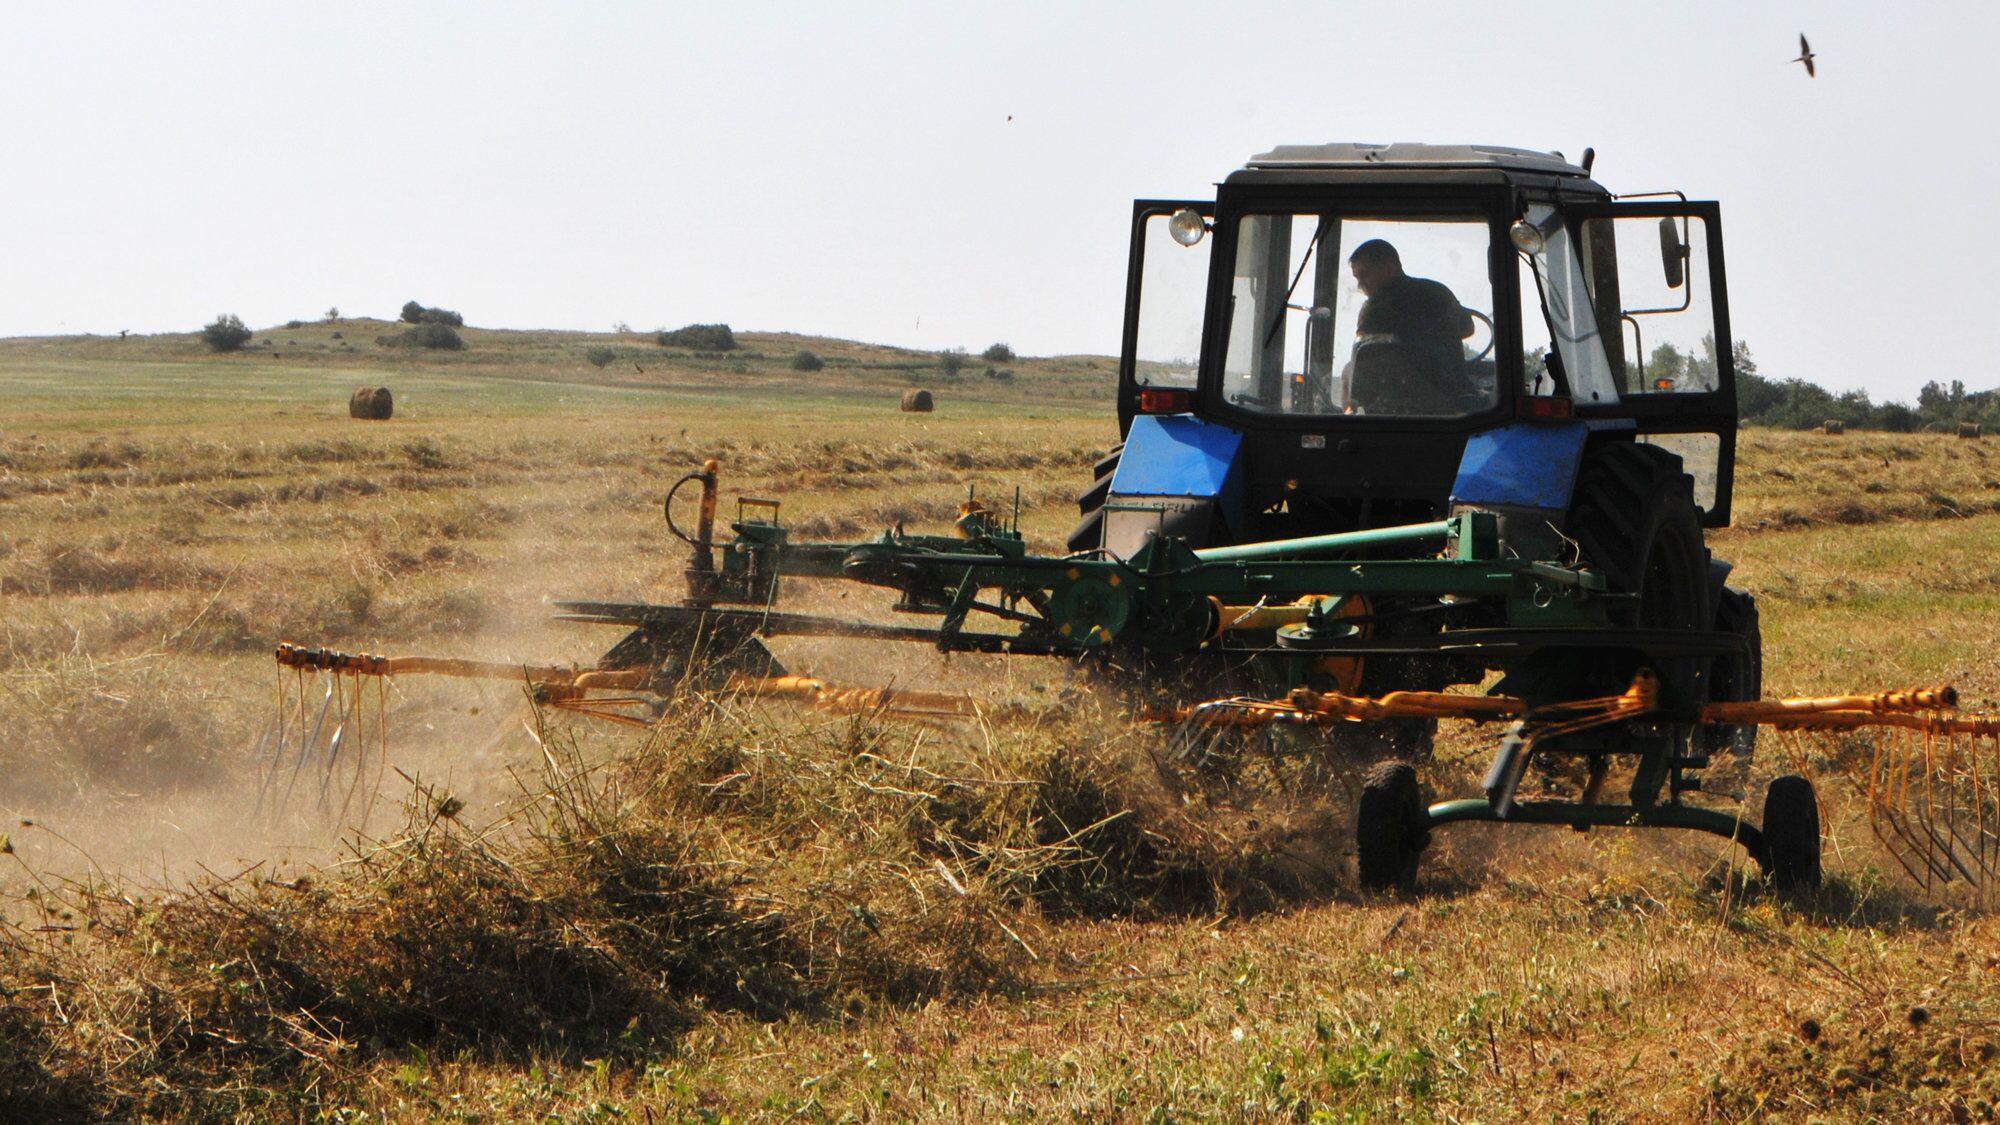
(1796, 404)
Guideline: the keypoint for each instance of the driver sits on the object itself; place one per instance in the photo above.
(1423, 371)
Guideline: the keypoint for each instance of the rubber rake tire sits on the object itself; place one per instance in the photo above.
(1390, 828)
(1791, 834)
(1088, 534)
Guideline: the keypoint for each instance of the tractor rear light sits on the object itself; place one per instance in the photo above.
(1550, 407)
(1157, 400)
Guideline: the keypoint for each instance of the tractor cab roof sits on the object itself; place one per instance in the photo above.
(1349, 162)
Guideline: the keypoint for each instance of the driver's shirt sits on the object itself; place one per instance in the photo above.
(1422, 313)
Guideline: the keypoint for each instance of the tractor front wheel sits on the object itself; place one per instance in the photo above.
(1791, 834)
(1390, 828)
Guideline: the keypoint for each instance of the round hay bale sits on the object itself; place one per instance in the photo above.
(1833, 426)
(1968, 430)
(917, 402)
(372, 403)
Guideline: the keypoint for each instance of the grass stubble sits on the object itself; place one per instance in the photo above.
(750, 912)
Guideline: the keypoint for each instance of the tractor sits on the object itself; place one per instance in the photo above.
(1258, 405)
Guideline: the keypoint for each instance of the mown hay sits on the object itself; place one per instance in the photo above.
(917, 402)
(373, 403)
(1833, 426)
(1968, 430)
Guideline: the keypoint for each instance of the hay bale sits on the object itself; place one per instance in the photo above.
(1968, 430)
(371, 402)
(1833, 426)
(917, 402)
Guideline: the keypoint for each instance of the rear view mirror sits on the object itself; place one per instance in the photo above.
(1673, 253)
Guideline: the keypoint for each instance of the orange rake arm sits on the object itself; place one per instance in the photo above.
(567, 687)
(372, 664)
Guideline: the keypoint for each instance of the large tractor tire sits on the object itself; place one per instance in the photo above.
(1635, 519)
(1390, 828)
(1088, 534)
(1791, 834)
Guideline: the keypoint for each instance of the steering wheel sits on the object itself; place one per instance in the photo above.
(1492, 337)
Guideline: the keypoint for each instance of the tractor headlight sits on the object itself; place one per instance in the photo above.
(1187, 226)
(1528, 238)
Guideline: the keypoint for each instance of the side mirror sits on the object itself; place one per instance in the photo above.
(1673, 253)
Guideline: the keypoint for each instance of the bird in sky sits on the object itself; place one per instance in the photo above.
(1805, 55)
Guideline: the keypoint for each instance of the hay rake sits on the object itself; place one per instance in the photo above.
(1592, 676)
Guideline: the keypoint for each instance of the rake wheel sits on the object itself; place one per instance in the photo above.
(1791, 834)
(1390, 829)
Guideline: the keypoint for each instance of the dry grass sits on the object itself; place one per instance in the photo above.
(756, 913)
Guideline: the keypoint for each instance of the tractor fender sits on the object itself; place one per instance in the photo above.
(1525, 474)
(1177, 476)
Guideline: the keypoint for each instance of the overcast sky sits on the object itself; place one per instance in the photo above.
(850, 169)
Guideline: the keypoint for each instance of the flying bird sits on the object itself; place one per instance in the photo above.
(1805, 55)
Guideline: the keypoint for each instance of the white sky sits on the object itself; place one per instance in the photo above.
(848, 169)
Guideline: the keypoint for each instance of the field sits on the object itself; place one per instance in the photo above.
(754, 913)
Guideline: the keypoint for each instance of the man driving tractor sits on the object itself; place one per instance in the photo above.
(1408, 357)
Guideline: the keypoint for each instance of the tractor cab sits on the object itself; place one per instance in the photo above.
(1353, 336)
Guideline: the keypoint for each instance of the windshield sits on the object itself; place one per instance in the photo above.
(1359, 314)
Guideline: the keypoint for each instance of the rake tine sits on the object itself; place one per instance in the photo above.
(305, 748)
(332, 757)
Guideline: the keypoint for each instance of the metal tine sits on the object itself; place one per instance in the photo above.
(305, 748)
(332, 757)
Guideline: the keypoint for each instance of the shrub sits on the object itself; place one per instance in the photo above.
(952, 360)
(225, 334)
(439, 336)
(807, 361)
(600, 355)
(1003, 374)
(998, 353)
(700, 337)
(414, 313)
(294, 324)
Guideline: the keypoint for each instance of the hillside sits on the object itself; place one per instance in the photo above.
(763, 362)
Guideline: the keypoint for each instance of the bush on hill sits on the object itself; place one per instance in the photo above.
(226, 333)
(700, 337)
(600, 355)
(998, 353)
(414, 313)
(807, 361)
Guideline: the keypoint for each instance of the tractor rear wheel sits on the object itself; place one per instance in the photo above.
(1636, 521)
(1390, 828)
(1791, 834)
(1088, 534)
